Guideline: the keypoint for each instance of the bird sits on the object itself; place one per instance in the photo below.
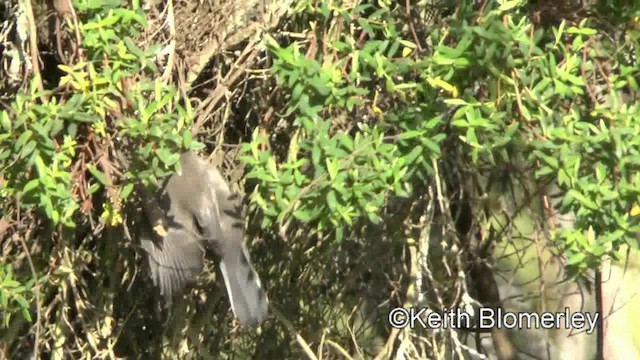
(197, 209)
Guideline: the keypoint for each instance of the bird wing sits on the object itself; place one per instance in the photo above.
(173, 259)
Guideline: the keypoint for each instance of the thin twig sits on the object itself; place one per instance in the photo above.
(36, 287)
(340, 349)
(171, 22)
(299, 339)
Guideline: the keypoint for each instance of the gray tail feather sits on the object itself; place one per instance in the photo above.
(249, 301)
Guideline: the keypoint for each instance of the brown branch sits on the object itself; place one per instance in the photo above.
(63, 9)
(599, 324)
(33, 42)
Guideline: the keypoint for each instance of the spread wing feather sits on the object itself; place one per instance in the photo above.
(174, 260)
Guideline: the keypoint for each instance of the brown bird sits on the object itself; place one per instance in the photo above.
(198, 208)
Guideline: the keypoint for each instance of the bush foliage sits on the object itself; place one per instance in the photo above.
(404, 142)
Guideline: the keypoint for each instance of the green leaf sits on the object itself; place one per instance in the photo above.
(302, 215)
(456, 102)
(582, 31)
(410, 134)
(26, 314)
(187, 137)
(172, 159)
(97, 174)
(5, 121)
(345, 140)
(10, 283)
(316, 153)
(93, 188)
(319, 86)
(164, 155)
(126, 191)
(584, 200)
(576, 258)
(339, 234)
(22, 139)
(431, 145)
(298, 177)
(28, 149)
(22, 301)
(4, 154)
(332, 168)
(55, 217)
(559, 32)
(332, 201)
(365, 26)
(41, 167)
(196, 145)
(373, 217)
(31, 185)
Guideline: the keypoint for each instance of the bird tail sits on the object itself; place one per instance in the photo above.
(249, 301)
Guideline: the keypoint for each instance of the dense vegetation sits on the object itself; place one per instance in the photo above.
(390, 153)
